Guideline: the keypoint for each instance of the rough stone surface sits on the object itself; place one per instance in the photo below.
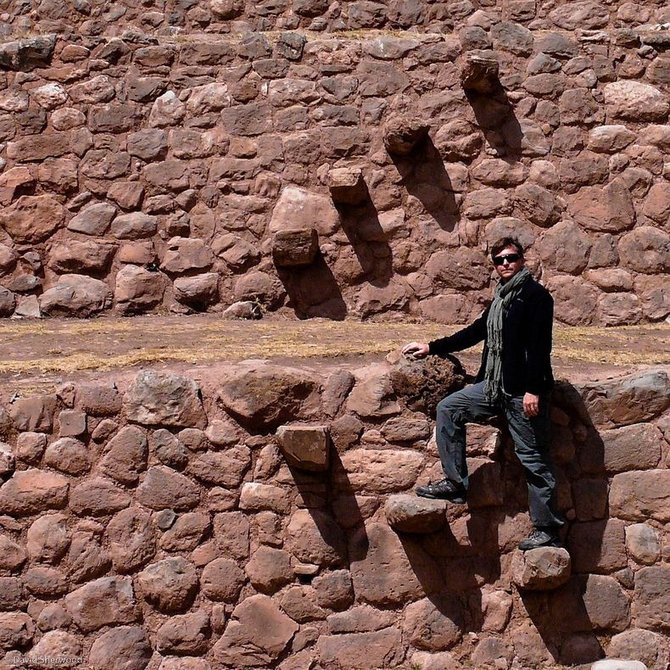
(164, 399)
(541, 569)
(409, 514)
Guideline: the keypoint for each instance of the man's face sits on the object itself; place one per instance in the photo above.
(508, 262)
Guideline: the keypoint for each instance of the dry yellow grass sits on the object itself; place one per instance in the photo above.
(65, 346)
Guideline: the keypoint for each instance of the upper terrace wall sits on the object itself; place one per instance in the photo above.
(150, 162)
(177, 526)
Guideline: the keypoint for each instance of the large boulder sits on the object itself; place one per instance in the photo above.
(32, 219)
(76, 295)
(164, 399)
(263, 396)
(298, 208)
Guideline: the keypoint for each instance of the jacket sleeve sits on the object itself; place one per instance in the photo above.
(538, 348)
(467, 337)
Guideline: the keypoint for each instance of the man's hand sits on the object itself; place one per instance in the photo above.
(531, 404)
(416, 350)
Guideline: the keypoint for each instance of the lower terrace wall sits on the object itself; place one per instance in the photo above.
(146, 165)
(266, 522)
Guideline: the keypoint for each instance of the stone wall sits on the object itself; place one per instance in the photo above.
(269, 522)
(175, 156)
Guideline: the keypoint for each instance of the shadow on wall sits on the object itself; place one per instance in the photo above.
(313, 290)
(497, 120)
(361, 225)
(424, 177)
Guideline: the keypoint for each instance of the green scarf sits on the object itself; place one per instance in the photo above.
(504, 294)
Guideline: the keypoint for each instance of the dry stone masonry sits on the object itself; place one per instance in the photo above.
(329, 159)
(268, 521)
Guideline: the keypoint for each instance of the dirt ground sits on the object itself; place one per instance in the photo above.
(37, 356)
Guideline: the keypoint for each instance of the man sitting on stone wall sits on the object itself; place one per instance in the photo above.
(514, 379)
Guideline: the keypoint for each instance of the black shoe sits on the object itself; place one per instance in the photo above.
(443, 490)
(540, 538)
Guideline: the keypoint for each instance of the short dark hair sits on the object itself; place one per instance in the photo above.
(506, 242)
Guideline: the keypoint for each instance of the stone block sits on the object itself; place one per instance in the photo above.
(598, 546)
(638, 495)
(541, 569)
(31, 491)
(169, 585)
(410, 514)
(305, 447)
(347, 186)
(651, 598)
(257, 634)
(295, 248)
(479, 72)
(402, 134)
(161, 398)
(102, 602)
(606, 604)
(634, 447)
(123, 648)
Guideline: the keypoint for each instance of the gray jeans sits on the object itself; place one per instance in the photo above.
(531, 443)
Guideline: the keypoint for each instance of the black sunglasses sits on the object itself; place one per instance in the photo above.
(510, 258)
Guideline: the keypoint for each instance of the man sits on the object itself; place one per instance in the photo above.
(514, 379)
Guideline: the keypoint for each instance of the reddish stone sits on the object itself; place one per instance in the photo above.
(157, 398)
(126, 456)
(225, 468)
(169, 585)
(541, 569)
(222, 580)
(382, 574)
(598, 546)
(133, 226)
(87, 558)
(163, 488)
(76, 295)
(265, 396)
(646, 249)
(651, 597)
(102, 602)
(361, 650)
(186, 533)
(635, 101)
(314, 537)
(435, 624)
(294, 248)
(566, 247)
(199, 291)
(380, 470)
(32, 219)
(122, 648)
(97, 497)
(132, 541)
(98, 399)
(409, 514)
(575, 300)
(334, 589)
(48, 538)
(13, 556)
(16, 630)
(184, 634)
(312, 210)
(68, 455)
(256, 497)
(137, 289)
(269, 569)
(258, 633)
(32, 491)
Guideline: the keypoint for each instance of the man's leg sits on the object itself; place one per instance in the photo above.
(531, 443)
(467, 405)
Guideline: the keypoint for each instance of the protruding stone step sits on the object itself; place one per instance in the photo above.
(480, 72)
(402, 134)
(293, 248)
(305, 447)
(347, 186)
(541, 569)
(411, 514)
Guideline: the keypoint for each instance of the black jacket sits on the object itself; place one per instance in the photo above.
(526, 350)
